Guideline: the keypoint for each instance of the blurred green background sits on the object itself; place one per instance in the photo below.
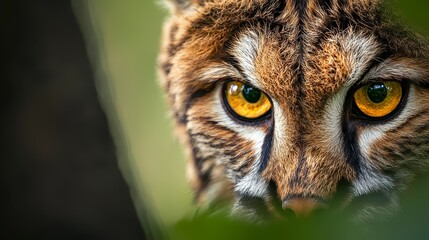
(124, 50)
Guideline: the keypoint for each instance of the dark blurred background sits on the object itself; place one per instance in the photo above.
(87, 149)
(60, 177)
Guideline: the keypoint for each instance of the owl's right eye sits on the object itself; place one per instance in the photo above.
(245, 101)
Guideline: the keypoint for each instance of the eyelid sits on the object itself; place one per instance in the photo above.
(375, 80)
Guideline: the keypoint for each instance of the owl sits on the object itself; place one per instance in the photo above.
(296, 105)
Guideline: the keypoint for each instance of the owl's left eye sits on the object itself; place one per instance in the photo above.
(245, 101)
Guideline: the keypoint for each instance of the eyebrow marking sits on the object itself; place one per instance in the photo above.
(217, 71)
(397, 69)
(244, 52)
(362, 51)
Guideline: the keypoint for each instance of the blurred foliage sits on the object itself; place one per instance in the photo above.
(127, 35)
(409, 223)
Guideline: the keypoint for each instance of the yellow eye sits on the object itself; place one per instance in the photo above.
(378, 99)
(246, 101)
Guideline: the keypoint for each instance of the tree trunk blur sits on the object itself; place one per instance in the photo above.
(58, 165)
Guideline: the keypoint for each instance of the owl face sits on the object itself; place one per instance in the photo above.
(292, 102)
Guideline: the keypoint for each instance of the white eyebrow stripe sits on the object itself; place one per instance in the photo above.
(216, 71)
(397, 68)
(245, 50)
(361, 50)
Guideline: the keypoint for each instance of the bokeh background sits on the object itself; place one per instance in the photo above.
(123, 42)
(123, 39)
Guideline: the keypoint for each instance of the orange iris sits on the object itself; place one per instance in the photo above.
(246, 101)
(378, 99)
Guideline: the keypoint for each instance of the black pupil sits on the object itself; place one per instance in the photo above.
(251, 94)
(377, 92)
